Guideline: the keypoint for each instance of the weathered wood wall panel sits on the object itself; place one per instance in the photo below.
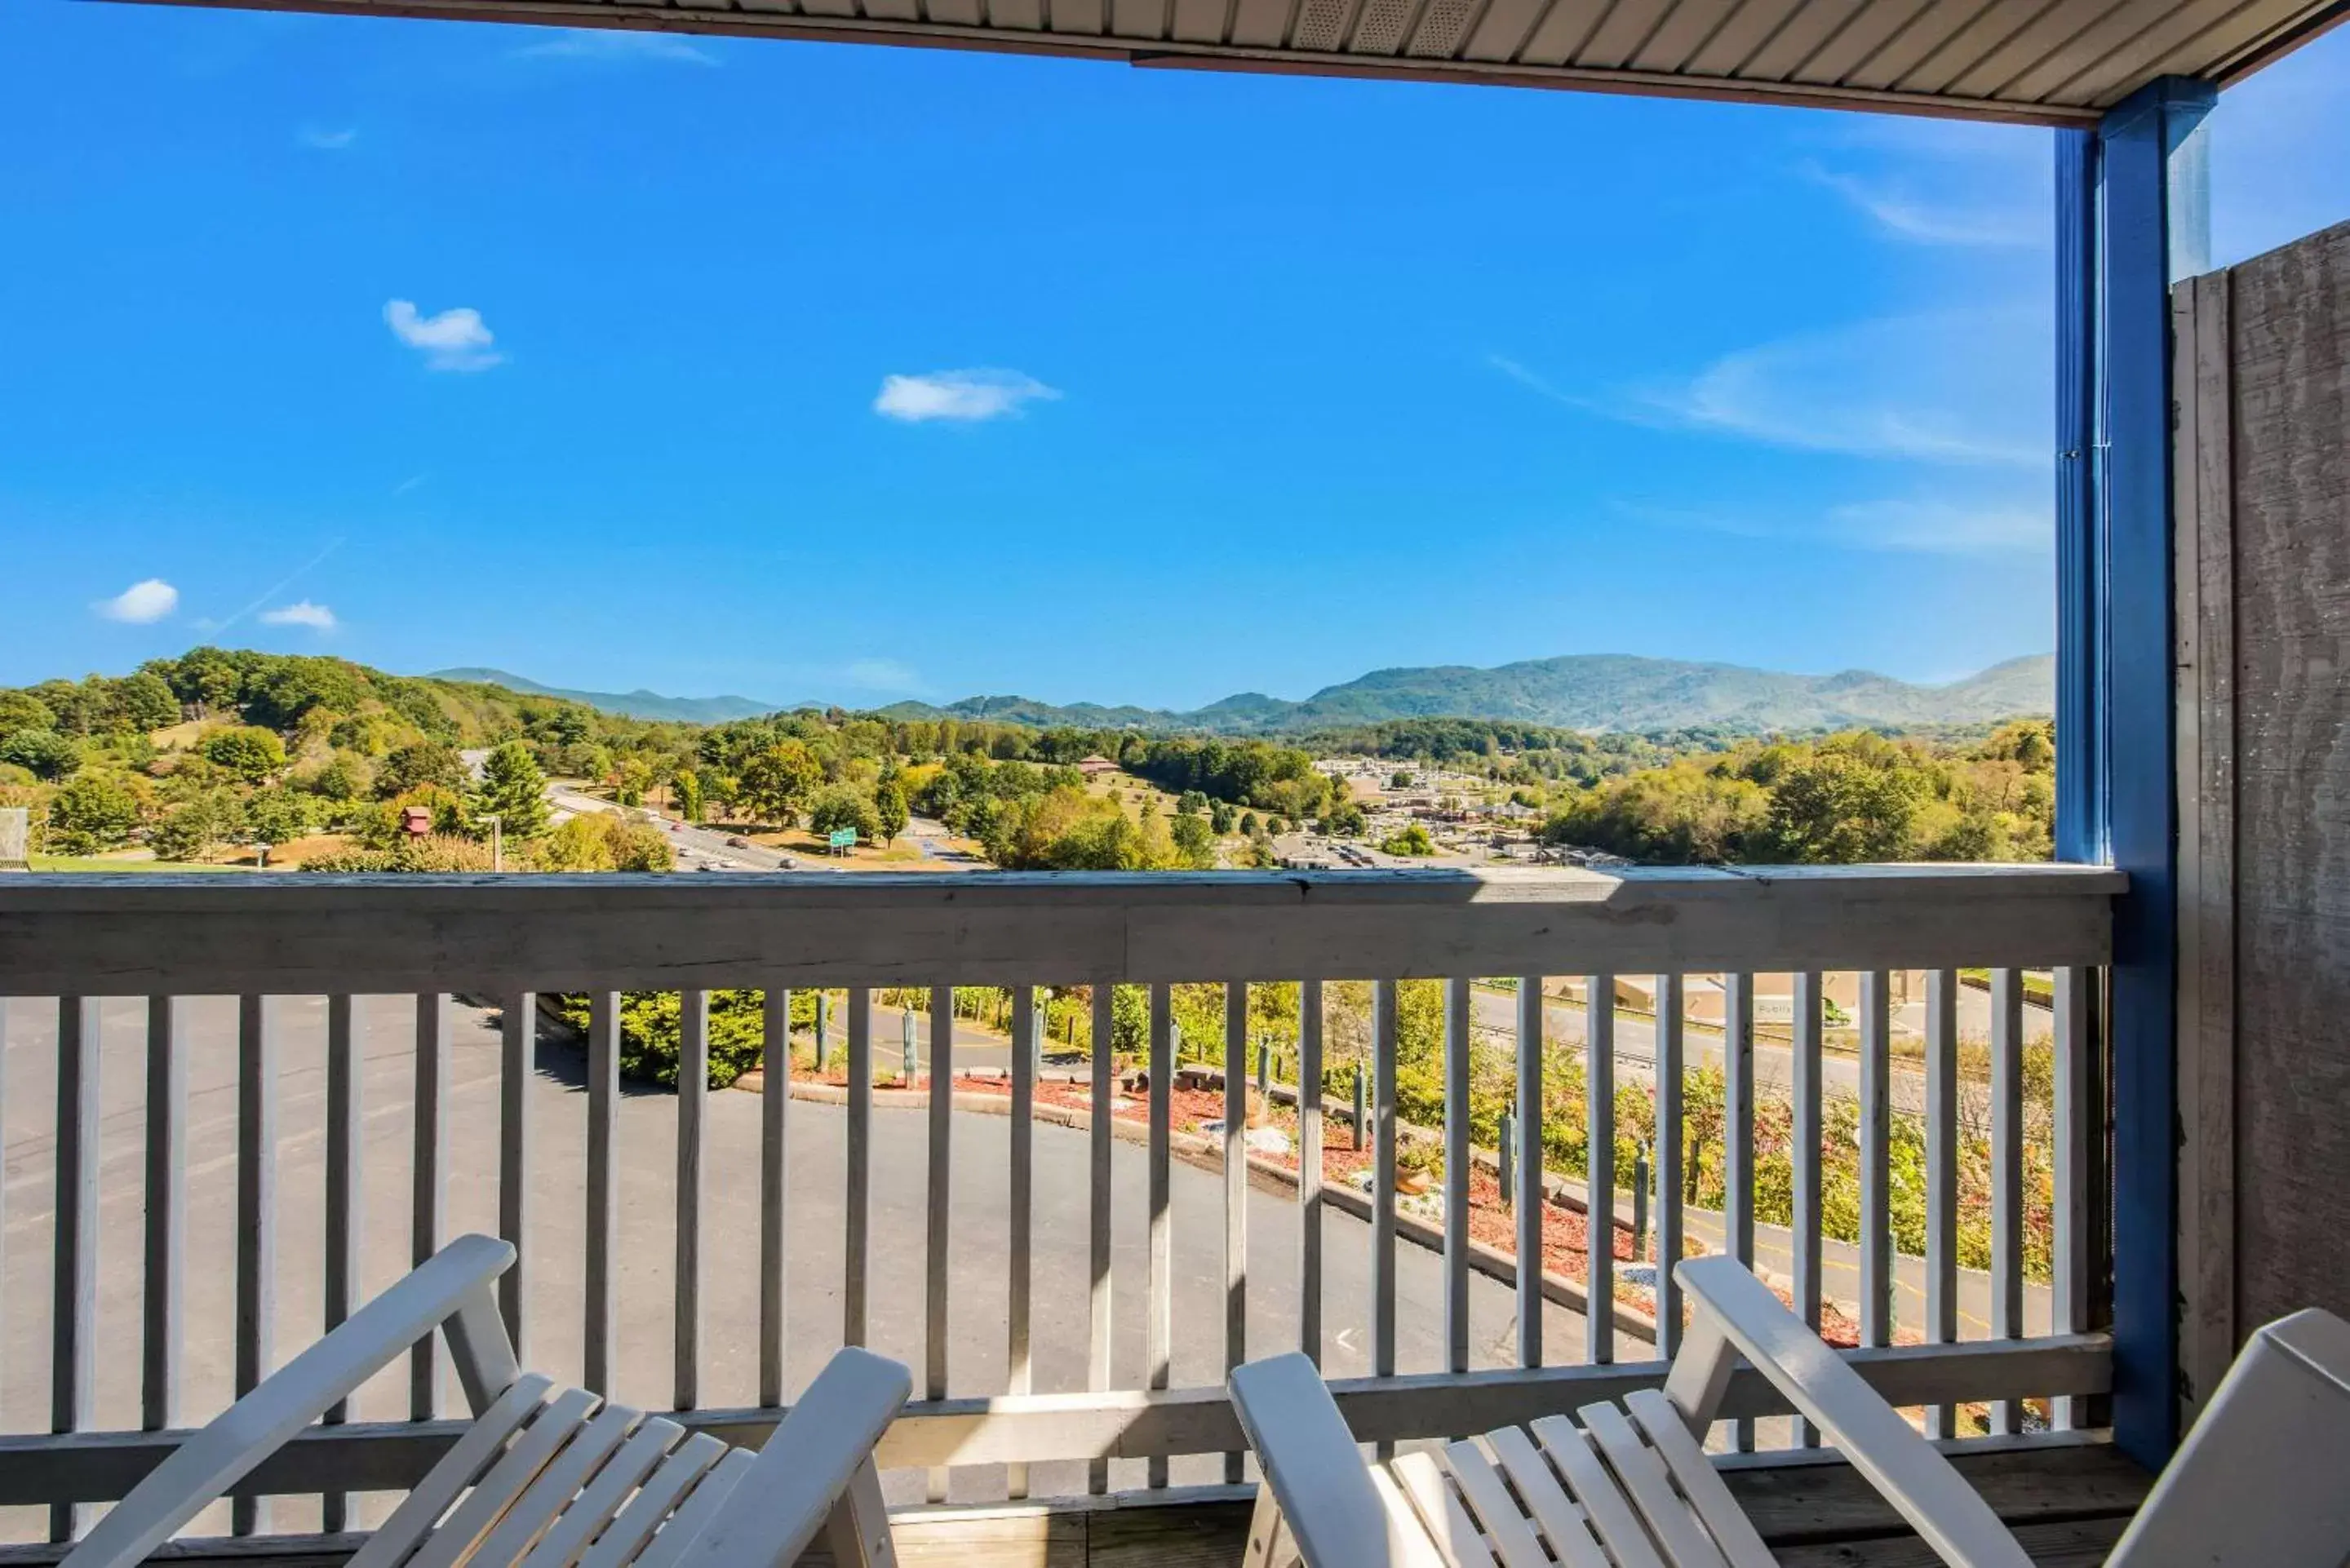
(2264, 602)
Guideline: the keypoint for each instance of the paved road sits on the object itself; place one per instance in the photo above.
(647, 1153)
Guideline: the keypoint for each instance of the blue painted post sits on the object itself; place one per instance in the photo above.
(2133, 218)
(823, 1031)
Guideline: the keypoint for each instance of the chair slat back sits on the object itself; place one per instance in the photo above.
(2263, 1480)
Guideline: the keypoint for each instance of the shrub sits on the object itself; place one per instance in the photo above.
(601, 841)
(650, 1024)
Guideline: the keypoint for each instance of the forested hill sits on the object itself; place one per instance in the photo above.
(1578, 692)
(637, 704)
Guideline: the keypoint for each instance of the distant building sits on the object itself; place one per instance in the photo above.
(1096, 765)
(416, 820)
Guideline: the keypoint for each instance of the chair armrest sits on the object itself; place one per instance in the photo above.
(1738, 1315)
(453, 1282)
(1329, 1502)
(805, 1466)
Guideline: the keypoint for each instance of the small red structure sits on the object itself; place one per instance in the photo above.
(415, 820)
(1096, 765)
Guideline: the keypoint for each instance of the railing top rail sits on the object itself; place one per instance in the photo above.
(305, 934)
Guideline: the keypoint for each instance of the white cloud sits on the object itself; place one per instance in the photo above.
(1989, 525)
(320, 139)
(1939, 527)
(455, 339)
(617, 47)
(965, 395)
(1530, 380)
(410, 482)
(301, 612)
(1900, 206)
(140, 604)
(882, 675)
(1941, 183)
(1964, 387)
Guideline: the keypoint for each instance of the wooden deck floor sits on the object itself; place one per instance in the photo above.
(2067, 1504)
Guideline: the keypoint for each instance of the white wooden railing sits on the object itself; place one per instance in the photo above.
(68, 941)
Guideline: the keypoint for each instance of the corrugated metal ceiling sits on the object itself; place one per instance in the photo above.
(2037, 61)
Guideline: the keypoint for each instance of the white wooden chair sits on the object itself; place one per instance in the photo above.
(547, 1477)
(2263, 1481)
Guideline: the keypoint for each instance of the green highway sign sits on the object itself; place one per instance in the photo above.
(843, 838)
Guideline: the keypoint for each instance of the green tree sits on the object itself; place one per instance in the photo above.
(197, 824)
(1412, 840)
(777, 779)
(44, 753)
(841, 807)
(1345, 819)
(688, 786)
(418, 765)
(1195, 840)
(890, 806)
(246, 752)
(278, 815)
(142, 701)
(23, 710)
(92, 812)
(514, 790)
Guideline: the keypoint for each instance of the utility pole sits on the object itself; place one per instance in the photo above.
(497, 841)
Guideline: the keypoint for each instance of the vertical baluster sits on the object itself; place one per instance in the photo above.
(518, 1034)
(430, 1184)
(1309, 1169)
(256, 1219)
(1738, 1134)
(1671, 1009)
(343, 1130)
(774, 1102)
(1383, 1182)
(1941, 1177)
(74, 1280)
(1020, 1375)
(1236, 1072)
(1599, 1158)
(1876, 1159)
(1456, 1175)
(1097, 1215)
(2075, 1130)
(1806, 1172)
(603, 1188)
(941, 1224)
(860, 1204)
(167, 1215)
(692, 1110)
(1162, 1284)
(1531, 1194)
(2006, 1173)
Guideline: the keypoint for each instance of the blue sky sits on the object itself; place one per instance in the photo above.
(852, 373)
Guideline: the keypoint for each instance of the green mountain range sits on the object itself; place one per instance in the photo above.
(1577, 691)
(638, 704)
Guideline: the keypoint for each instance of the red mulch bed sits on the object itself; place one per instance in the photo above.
(1565, 1231)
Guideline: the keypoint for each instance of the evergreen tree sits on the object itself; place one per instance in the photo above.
(513, 789)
